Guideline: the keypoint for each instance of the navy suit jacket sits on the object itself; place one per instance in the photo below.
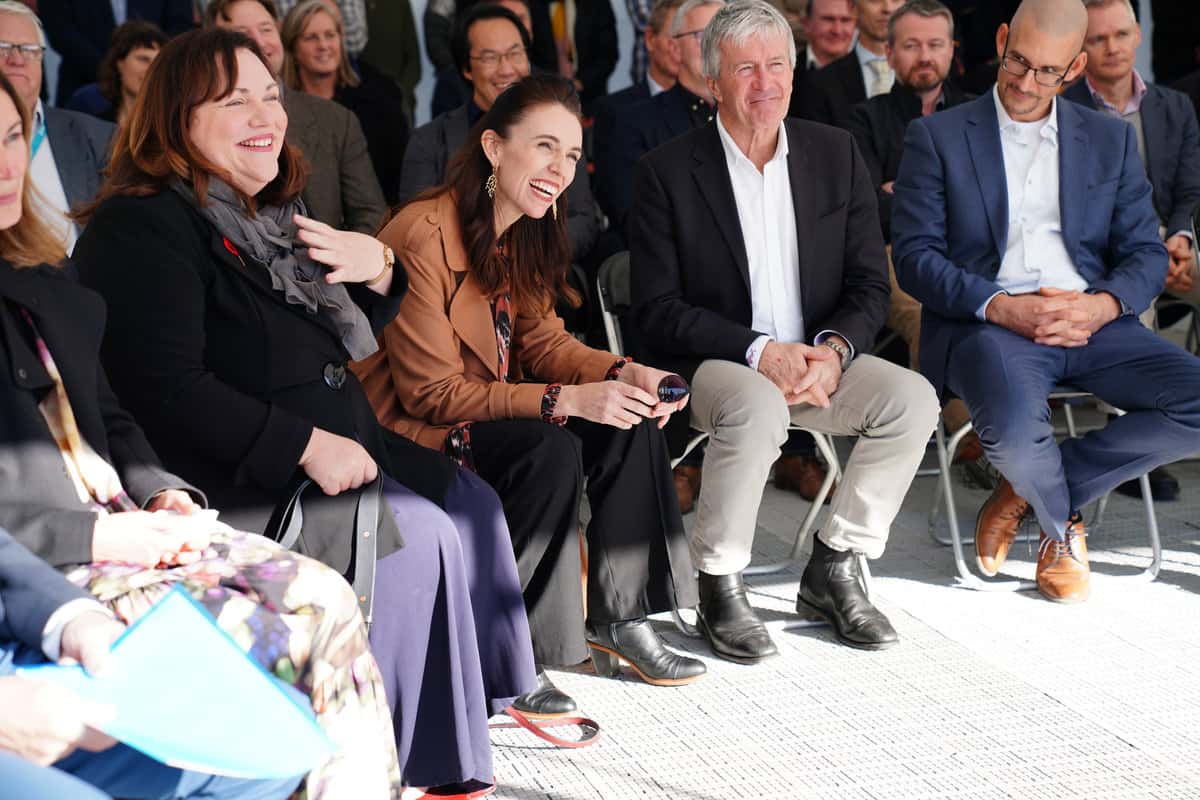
(79, 31)
(950, 216)
(30, 591)
(828, 94)
(604, 133)
(640, 128)
(1172, 151)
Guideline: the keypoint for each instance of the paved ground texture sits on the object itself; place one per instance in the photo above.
(988, 695)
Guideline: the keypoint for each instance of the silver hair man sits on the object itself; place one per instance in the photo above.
(737, 22)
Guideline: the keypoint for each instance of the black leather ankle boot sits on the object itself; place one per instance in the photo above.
(636, 642)
(727, 621)
(832, 587)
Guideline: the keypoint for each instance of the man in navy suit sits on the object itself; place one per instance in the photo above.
(79, 30)
(42, 615)
(1168, 142)
(1026, 228)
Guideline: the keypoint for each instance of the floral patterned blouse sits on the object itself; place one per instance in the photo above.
(458, 439)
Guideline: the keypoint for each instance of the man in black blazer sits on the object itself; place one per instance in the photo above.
(69, 149)
(1168, 142)
(342, 189)
(864, 72)
(759, 275)
(829, 26)
(487, 32)
(80, 29)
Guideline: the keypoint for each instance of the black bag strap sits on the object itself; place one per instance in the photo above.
(366, 536)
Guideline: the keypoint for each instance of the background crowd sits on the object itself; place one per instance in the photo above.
(409, 311)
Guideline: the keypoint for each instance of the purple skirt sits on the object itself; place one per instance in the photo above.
(450, 631)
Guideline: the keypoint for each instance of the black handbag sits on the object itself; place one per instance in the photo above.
(366, 533)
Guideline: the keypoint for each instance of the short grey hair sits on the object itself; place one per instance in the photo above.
(738, 21)
(22, 10)
(923, 8)
(685, 9)
(1102, 3)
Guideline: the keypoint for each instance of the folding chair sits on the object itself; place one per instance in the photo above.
(945, 490)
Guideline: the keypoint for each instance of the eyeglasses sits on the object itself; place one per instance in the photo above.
(694, 34)
(1017, 66)
(29, 52)
(516, 57)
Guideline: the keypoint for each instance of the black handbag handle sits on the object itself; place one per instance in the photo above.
(366, 534)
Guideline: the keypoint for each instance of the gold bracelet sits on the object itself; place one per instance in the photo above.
(382, 272)
(389, 259)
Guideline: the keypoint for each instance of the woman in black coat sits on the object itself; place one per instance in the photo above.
(228, 339)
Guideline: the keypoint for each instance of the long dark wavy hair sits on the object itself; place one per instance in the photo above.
(534, 268)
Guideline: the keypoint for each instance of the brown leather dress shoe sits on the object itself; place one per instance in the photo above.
(1062, 569)
(996, 527)
(802, 475)
(687, 486)
(969, 449)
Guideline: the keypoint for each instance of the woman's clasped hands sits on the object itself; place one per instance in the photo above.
(622, 403)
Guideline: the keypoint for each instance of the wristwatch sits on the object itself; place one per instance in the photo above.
(389, 261)
(840, 349)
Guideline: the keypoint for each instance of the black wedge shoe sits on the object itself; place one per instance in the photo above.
(635, 641)
(546, 701)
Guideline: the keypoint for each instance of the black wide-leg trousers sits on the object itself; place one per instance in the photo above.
(638, 560)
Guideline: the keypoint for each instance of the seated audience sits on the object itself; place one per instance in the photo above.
(49, 747)
(69, 149)
(920, 48)
(80, 31)
(80, 485)
(487, 256)
(134, 46)
(1168, 140)
(440, 22)
(231, 317)
(491, 48)
(316, 63)
(1032, 257)
(830, 26)
(353, 17)
(342, 190)
(832, 91)
(759, 274)
(643, 126)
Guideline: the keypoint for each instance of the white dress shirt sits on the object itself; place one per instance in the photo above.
(1035, 255)
(652, 85)
(768, 221)
(44, 174)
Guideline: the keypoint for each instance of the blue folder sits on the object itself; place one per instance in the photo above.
(185, 694)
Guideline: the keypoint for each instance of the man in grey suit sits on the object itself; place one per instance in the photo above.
(342, 189)
(69, 149)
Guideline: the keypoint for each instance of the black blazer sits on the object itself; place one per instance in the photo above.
(1172, 151)
(379, 104)
(799, 83)
(830, 92)
(80, 143)
(689, 270)
(1190, 86)
(30, 592)
(229, 379)
(38, 502)
(640, 128)
(595, 37)
(878, 126)
(432, 145)
(79, 30)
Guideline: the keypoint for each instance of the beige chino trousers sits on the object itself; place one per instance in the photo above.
(891, 409)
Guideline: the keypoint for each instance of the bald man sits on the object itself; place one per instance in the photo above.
(1025, 227)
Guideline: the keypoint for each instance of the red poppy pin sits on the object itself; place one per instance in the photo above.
(229, 246)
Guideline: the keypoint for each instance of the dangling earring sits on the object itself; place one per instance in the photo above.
(554, 209)
(489, 185)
